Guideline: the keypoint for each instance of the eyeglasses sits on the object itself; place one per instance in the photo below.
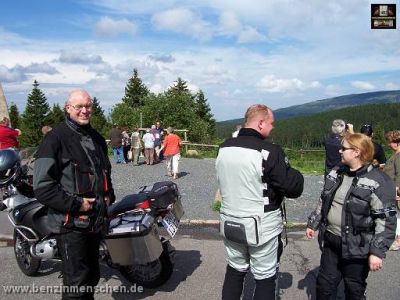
(80, 107)
(343, 148)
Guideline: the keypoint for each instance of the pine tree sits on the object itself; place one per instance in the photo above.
(14, 115)
(34, 117)
(98, 120)
(135, 91)
(56, 115)
(179, 87)
(203, 110)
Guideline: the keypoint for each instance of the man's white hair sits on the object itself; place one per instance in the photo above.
(338, 126)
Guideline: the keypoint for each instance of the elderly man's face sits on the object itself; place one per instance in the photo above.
(79, 107)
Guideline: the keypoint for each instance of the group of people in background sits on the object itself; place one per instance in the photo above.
(332, 144)
(155, 145)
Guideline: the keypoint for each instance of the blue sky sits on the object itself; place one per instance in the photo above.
(276, 52)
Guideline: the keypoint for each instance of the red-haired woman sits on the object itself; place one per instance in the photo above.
(356, 220)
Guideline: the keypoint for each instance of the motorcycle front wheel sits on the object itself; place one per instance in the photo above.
(28, 265)
(153, 274)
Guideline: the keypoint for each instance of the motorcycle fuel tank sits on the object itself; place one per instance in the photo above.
(16, 200)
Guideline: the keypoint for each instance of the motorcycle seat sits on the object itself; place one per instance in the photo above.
(127, 203)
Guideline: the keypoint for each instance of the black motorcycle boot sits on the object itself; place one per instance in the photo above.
(265, 289)
(233, 284)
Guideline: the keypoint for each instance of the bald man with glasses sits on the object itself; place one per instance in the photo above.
(72, 178)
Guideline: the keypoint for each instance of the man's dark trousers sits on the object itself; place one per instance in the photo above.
(80, 263)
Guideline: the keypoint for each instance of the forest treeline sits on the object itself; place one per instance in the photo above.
(177, 107)
(309, 131)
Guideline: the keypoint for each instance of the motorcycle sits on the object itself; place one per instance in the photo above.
(135, 244)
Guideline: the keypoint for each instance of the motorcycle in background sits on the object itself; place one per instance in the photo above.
(135, 244)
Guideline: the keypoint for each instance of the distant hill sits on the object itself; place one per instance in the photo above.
(225, 128)
(310, 131)
(337, 103)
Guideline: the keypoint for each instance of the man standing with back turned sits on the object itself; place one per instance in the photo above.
(254, 176)
(72, 177)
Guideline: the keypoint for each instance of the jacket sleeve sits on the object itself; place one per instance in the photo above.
(46, 178)
(281, 176)
(380, 154)
(12, 132)
(314, 219)
(383, 212)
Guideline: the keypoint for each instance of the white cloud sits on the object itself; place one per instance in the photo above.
(182, 20)
(12, 74)
(40, 68)
(391, 86)
(101, 69)
(108, 27)
(315, 84)
(129, 7)
(19, 73)
(229, 23)
(156, 88)
(250, 35)
(193, 88)
(271, 84)
(333, 90)
(362, 85)
(79, 57)
(222, 94)
(162, 58)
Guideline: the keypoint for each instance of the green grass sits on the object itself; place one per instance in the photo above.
(307, 162)
(216, 206)
(204, 152)
(308, 168)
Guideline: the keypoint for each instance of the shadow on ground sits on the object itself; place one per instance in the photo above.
(186, 262)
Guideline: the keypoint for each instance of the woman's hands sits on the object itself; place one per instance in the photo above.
(375, 263)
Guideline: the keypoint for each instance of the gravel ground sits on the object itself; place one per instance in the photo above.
(197, 185)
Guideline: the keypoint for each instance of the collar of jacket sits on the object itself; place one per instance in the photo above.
(250, 132)
(335, 136)
(82, 129)
(357, 173)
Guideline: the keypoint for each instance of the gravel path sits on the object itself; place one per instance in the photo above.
(197, 185)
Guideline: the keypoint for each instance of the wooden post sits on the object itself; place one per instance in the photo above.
(186, 146)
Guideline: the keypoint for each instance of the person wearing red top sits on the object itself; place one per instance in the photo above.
(8, 136)
(171, 149)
